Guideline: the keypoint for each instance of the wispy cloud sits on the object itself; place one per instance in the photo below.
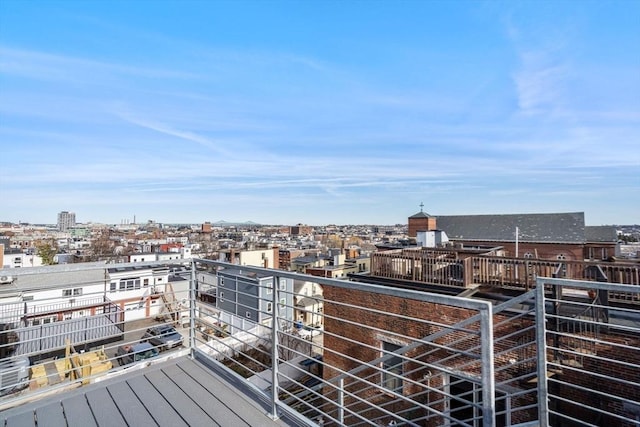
(48, 66)
(539, 84)
(215, 146)
(195, 123)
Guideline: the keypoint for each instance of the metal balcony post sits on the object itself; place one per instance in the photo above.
(541, 325)
(192, 309)
(341, 402)
(488, 371)
(274, 347)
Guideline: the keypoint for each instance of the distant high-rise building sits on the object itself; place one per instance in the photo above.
(66, 220)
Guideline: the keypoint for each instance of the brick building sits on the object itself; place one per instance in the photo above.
(562, 236)
(437, 372)
(301, 230)
(421, 221)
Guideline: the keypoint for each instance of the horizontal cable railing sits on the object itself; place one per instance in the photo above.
(592, 354)
(370, 363)
(334, 352)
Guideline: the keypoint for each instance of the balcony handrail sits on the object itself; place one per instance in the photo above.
(497, 350)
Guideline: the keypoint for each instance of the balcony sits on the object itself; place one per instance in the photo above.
(562, 353)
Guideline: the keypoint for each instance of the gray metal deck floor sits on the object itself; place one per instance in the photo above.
(179, 392)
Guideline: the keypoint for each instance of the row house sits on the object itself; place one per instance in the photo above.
(267, 258)
(301, 264)
(341, 267)
(87, 302)
(285, 256)
(248, 296)
(309, 303)
(51, 304)
(184, 252)
(17, 258)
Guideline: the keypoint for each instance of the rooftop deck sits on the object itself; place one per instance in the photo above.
(178, 392)
(565, 352)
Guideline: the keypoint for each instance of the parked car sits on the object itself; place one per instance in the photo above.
(163, 337)
(308, 332)
(135, 352)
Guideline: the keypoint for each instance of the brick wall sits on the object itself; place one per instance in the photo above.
(360, 332)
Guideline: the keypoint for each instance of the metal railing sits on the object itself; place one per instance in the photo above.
(368, 364)
(335, 352)
(590, 353)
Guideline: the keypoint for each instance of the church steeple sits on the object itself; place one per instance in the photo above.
(421, 221)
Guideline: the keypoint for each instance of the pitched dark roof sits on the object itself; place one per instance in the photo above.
(539, 228)
(601, 233)
(421, 215)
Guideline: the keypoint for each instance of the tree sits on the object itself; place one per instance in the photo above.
(47, 251)
(102, 247)
(333, 241)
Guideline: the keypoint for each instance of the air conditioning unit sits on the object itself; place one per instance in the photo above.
(6, 279)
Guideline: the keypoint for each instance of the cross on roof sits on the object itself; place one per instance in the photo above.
(421, 206)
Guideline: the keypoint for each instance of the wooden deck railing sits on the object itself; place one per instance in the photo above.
(443, 268)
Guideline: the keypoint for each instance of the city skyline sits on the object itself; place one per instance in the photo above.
(318, 113)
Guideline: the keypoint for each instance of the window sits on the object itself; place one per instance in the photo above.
(283, 302)
(221, 282)
(269, 288)
(283, 284)
(248, 314)
(72, 292)
(391, 368)
(145, 282)
(113, 287)
(528, 255)
(129, 284)
(269, 307)
(563, 271)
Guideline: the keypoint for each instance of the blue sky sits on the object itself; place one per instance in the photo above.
(318, 112)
